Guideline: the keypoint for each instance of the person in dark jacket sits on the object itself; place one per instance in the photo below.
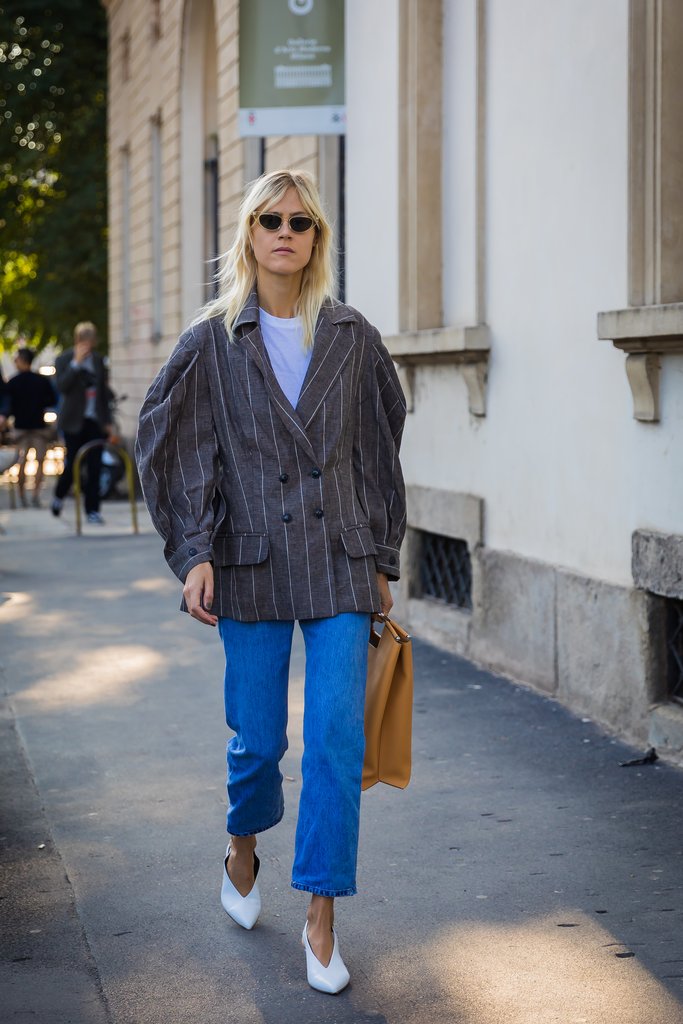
(30, 395)
(4, 403)
(84, 414)
(268, 450)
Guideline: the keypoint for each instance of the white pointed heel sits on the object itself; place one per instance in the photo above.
(242, 909)
(330, 979)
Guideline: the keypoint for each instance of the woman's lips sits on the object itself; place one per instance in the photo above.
(283, 248)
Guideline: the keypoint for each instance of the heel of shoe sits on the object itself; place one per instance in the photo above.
(331, 979)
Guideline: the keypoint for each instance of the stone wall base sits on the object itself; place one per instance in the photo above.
(596, 647)
(666, 731)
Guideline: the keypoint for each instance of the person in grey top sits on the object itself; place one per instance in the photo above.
(268, 451)
(84, 414)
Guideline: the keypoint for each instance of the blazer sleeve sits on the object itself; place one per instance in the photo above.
(177, 457)
(379, 479)
(67, 377)
(107, 396)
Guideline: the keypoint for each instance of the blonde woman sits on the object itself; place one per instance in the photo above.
(268, 453)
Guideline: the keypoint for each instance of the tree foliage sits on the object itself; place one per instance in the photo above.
(53, 202)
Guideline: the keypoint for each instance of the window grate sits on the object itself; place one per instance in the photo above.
(445, 569)
(674, 645)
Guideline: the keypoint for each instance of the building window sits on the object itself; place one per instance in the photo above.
(155, 20)
(125, 56)
(199, 157)
(211, 216)
(674, 646)
(157, 230)
(125, 244)
(445, 569)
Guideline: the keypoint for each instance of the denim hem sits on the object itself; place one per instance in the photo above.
(317, 891)
(255, 831)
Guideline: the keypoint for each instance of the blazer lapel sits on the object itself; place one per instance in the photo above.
(331, 348)
(256, 350)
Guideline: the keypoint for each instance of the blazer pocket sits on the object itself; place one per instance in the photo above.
(240, 548)
(358, 541)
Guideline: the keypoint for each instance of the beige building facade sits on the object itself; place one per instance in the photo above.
(512, 198)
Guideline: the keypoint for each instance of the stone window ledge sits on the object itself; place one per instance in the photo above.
(657, 562)
(451, 513)
(645, 333)
(465, 347)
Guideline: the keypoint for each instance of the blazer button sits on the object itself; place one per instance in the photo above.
(284, 477)
(315, 473)
(392, 560)
(192, 551)
(287, 517)
(318, 513)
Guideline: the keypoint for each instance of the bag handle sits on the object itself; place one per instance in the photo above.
(400, 637)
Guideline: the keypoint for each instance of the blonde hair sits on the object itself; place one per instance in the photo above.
(237, 274)
(86, 329)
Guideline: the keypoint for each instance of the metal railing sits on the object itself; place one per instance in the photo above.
(445, 569)
(674, 642)
(130, 480)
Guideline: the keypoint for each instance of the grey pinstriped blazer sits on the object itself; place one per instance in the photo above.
(297, 509)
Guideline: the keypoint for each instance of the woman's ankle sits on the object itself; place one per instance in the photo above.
(320, 910)
(242, 844)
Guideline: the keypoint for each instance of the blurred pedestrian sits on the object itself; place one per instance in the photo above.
(31, 395)
(4, 404)
(268, 454)
(84, 414)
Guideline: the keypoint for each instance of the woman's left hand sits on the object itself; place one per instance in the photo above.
(385, 599)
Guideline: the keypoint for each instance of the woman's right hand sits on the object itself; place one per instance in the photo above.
(198, 593)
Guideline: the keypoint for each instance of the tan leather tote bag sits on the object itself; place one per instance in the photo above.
(388, 707)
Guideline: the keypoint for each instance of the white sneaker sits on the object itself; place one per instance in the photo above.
(95, 517)
(242, 909)
(331, 979)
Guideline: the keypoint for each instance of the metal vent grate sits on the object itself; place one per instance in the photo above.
(674, 645)
(445, 569)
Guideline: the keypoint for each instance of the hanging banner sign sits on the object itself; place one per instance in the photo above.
(291, 67)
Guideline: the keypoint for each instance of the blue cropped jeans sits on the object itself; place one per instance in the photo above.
(256, 682)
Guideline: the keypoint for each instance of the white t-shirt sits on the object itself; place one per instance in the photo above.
(284, 341)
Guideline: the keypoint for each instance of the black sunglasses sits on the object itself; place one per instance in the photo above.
(273, 222)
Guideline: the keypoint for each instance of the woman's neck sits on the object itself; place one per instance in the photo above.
(278, 294)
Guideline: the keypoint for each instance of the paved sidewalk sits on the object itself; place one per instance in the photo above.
(522, 878)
